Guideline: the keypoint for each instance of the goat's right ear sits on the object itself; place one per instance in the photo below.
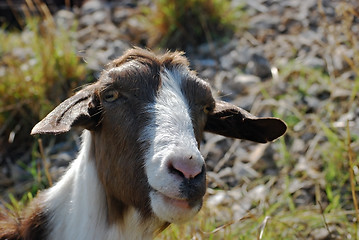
(79, 110)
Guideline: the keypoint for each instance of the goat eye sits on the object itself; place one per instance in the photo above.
(207, 109)
(110, 96)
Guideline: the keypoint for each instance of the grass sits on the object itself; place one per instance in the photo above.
(274, 223)
(176, 24)
(48, 65)
(39, 68)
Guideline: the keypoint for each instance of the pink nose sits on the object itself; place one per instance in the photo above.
(188, 167)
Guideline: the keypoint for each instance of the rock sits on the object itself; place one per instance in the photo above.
(207, 73)
(262, 21)
(65, 19)
(97, 59)
(314, 62)
(243, 56)
(259, 66)
(339, 62)
(99, 44)
(312, 103)
(92, 6)
(227, 62)
(257, 5)
(208, 62)
(22, 53)
(120, 14)
(86, 21)
(298, 146)
(118, 48)
(246, 80)
(340, 93)
(94, 12)
(220, 81)
(235, 58)
(242, 82)
(84, 34)
(204, 49)
(135, 30)
(216, 199)
(100, 17)
(321, 234)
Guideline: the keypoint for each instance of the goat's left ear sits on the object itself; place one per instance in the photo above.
(79, 110)
(231, 121)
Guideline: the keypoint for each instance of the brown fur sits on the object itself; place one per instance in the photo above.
(31, 225)
(118, 137)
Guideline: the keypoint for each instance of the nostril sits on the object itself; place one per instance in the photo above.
(175, 171)
(186, 168)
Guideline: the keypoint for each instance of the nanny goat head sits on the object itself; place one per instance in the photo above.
(144, 121)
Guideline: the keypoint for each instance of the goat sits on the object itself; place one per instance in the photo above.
(139, 168)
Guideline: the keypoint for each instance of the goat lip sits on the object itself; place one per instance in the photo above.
(177, 202)
(180, 203)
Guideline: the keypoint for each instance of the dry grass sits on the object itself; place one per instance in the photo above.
(176, 24)
(39, 68)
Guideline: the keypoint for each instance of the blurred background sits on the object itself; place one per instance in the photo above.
(297, 60)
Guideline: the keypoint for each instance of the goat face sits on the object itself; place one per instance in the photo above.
(147, 115)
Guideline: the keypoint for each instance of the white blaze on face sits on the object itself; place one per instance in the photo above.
(171, 136)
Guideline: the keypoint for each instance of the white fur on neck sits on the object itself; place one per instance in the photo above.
(77, 204)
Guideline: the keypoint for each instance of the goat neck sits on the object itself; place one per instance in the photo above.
(78, 210)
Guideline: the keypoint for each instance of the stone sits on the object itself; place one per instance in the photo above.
(65, 19)
(92, 6)
(230, 60)
(314, 62)
(86, 21)
(99, 44)
(259, 66)
(242, 82)
(120, 14)
(100, 17)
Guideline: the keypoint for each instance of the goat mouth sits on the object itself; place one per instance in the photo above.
(181, 203)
